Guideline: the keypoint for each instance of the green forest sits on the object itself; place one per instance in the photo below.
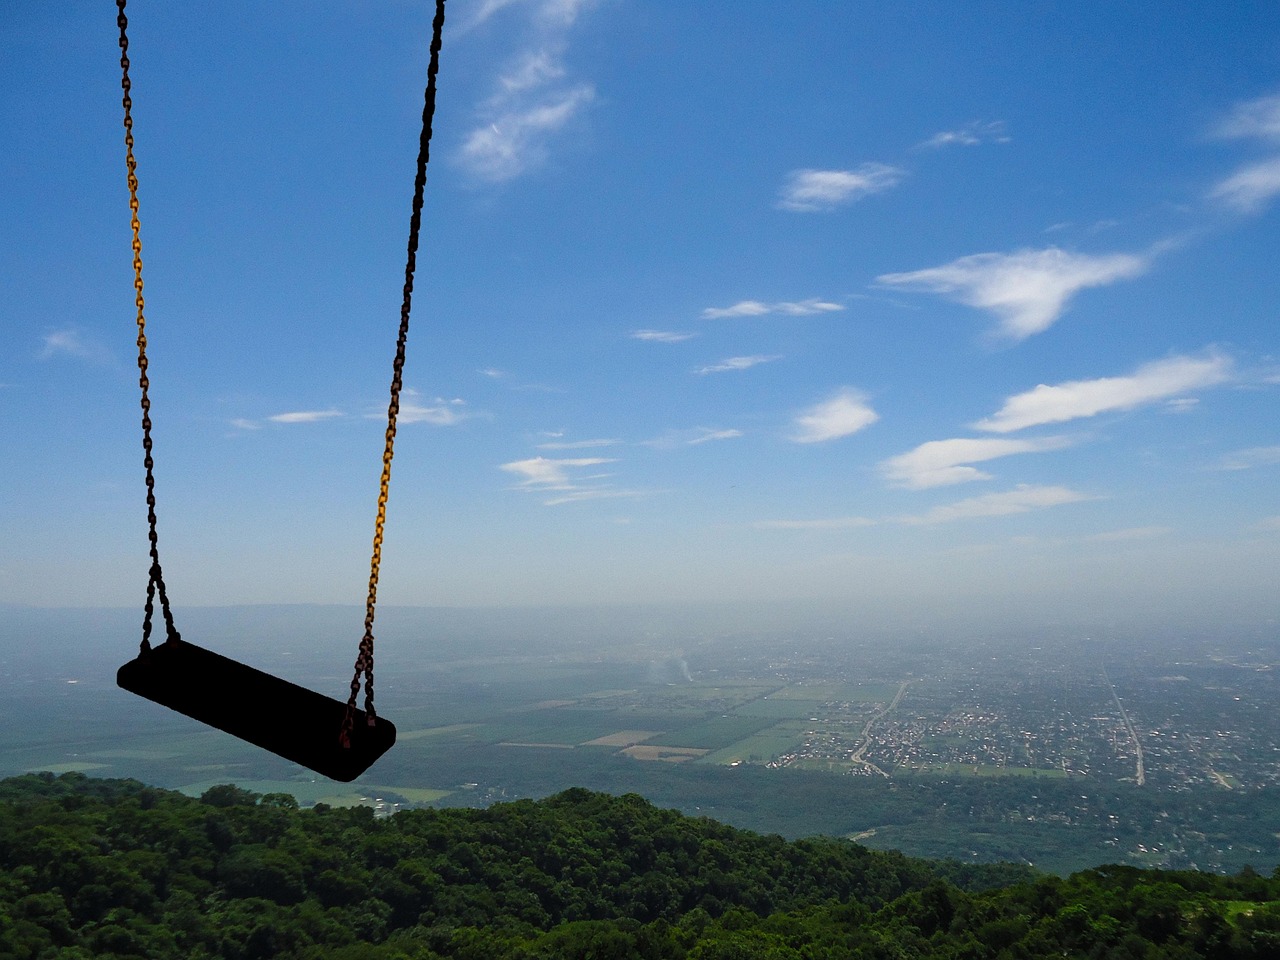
(115, 868)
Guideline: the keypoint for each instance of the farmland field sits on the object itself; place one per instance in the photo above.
(714, 733)
(761, 747)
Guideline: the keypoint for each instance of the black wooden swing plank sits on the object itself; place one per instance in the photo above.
(290, 721)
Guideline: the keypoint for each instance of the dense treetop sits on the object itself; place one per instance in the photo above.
(113, 868)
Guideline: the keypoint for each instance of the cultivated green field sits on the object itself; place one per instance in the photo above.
(838, 692)
(307, 792)
(449, 732)
(714, 733)
(760, 748)
(551, 726)
(783, 709)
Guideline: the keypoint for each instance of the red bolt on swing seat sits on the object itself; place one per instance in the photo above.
(335, 739)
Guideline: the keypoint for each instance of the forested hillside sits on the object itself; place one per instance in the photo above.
(113, 868)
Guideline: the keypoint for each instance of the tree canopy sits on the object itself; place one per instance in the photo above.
(114, 868)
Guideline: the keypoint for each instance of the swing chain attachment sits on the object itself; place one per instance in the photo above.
(155, 581)
(364, 662)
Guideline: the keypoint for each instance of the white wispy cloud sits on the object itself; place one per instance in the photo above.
(305, 416)
(515, 140)
(738, 363)
(563, 480)
(486, 9)
(240, 423)
(743, 308)
(707, 435)
(579, 444)
(808, 191)
(1021, 499)
(1086, 398)
(757, 308)
(595, 493)
(1129, 534)
(970, 135)
(493, 373)
(563, 12)
(440, 414)
(1250, 188)
(690, 438)
(73, 342)
(1250, 458)
(550, 474)
(546, 13)
(846, 412)
(661, 336)
(535, 69)
(943, 462)
(831, 523)
(534, 97)
(1254, 120)
(1028, 290)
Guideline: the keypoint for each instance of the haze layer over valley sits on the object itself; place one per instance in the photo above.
(1065, 746)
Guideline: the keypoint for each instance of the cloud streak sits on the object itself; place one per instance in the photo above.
(515, 140)
(845, 413)
(944, 462)
(1021, 499)
(1028, 290)
(738, 363)
(970, 135)
(441, 414)
(1252, 187)
(70, 342)
(706, 435)
(549, 474)
(811, 191)
(1253, 120)
(756, 308)
(832, 523)
(690, 438)
(1250, 458)
(305, 416)
(562, 479)
(1129, 534)
(595, 493)
(578, 444)
(661, 336)
(533, 99)
(1076, 399)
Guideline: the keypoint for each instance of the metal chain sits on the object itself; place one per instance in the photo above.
(155, 580)
(364, 662)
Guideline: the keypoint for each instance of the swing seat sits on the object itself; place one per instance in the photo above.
(290, 721)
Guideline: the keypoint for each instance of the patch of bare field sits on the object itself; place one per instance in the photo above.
(667, 754)
(623, 738)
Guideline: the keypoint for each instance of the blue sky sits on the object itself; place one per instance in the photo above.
(858, 304)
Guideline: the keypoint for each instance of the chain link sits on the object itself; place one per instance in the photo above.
(364, 662)
(155, 581)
